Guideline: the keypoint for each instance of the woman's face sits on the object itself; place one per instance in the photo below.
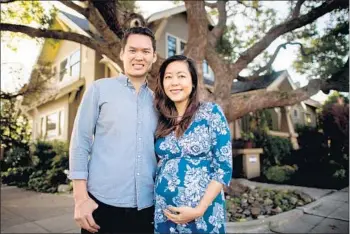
(177, 82)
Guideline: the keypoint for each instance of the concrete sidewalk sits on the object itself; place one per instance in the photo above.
(25, 211)
(330, 214)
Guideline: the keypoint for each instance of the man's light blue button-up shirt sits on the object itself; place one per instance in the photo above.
(112, 144)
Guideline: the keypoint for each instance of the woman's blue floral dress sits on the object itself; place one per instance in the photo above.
(186, 167)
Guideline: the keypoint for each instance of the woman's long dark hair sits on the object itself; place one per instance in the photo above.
(167, 121)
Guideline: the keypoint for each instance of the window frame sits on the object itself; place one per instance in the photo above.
(43, 123)
(178, 50)
(178, 43)
(68, 67)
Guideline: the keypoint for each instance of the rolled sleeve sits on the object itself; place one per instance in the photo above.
(221, 147)
(82, 134)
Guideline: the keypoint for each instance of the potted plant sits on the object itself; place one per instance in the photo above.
(248, 138)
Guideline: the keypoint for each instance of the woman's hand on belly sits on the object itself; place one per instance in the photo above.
(183, 214)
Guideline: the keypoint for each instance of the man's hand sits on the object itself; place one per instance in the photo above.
(83, 214)
(182, 215)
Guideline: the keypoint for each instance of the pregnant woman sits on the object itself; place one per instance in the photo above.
(195, 155)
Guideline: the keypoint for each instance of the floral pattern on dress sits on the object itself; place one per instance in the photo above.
(188, 164)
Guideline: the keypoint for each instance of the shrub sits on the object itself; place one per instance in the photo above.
(277, 150)
(50, 164)
(17, 176)
(280, 173)
(313, 147)
(16, 157)
(38, 182)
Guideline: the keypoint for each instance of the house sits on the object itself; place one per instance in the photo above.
(76, 66)
(306, 116)
(283, 119)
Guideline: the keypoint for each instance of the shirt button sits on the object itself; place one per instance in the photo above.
(139, 156)
(140, 138)
(138, 173)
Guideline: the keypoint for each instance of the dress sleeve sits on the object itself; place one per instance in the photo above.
(221, 146)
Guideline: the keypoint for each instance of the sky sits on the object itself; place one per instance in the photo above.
(28, 50)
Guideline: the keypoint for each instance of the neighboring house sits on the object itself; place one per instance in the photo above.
(306, 116)
(76, 66)
(285, 118)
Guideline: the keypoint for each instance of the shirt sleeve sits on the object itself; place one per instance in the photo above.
(221, 147)
(83, 134)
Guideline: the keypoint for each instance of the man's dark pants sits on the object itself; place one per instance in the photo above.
(122, 220)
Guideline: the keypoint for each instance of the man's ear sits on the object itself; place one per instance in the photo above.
(121, 54)
(154, 57)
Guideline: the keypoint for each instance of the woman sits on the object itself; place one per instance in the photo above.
(194, 148)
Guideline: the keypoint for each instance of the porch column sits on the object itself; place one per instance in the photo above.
(35, 124)
(235, 127)
(287, 126)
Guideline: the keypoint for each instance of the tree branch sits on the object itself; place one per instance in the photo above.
(108, 13)
(7, 1)
(278, 30)
(243, 103)
(256, 74)
(220, 27)
(296, 11)
(102, 47)
(244, 4)
(96, 19)
(93, 15)
(261, 99)
(75, 7)
(55, 34)
(220, 68)
(338, 81)
(197, 25)
(211, 5)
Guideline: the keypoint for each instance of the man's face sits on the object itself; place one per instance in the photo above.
(138, 56)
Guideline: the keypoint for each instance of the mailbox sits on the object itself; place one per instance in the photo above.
(251, 161)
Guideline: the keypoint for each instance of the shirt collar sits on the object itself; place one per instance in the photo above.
(127, 82)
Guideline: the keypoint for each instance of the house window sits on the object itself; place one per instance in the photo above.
(52, 125)
(182, 47)
(295, 113)
(171, 46)
(308, 118)
(176, 45)
(70, 65)
(74, 62)
(63, 68)
(205, 67)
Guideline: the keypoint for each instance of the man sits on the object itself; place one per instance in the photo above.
(112, 160)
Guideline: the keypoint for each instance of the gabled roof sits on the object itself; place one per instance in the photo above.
(262, 83)
(80, 22)
(170, 12)
(83, 23)
(313, 103)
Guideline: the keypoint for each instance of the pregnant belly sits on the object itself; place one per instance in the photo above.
(184, 185)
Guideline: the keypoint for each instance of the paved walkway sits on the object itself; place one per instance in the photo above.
(25, 211)
(330, 215)
(30, 212)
